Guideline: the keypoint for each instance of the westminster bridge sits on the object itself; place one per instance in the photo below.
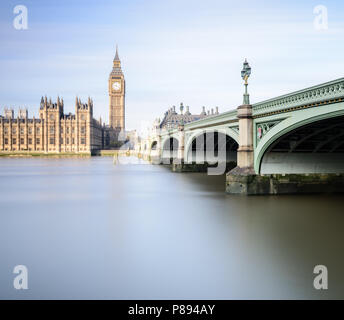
(291, 143)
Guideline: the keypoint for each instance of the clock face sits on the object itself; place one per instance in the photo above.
(116, 86)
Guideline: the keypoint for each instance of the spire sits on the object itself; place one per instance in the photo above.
(116, 56)
(116, 69)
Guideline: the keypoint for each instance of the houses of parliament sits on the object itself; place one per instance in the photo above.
(56, 132)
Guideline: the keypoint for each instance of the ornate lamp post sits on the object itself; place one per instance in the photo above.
(245, 73)
(244, 114)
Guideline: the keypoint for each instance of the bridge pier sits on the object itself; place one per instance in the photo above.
(198, 167)
(284, 184)
(243, 179)
(155, 154)
(178, 164)
(189, 167)
(181, 143)
(245, 155)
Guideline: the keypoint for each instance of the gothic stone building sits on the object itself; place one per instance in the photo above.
(54, 131)
(172, 119)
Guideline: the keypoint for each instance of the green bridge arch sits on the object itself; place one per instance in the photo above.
(292, 121)
(196, 133)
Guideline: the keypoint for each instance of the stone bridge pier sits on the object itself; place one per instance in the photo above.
(245, 154)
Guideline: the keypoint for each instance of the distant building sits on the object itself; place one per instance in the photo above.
(117, 96)
(172, 119)
(132, 137)
(54, 131)
(57, 132)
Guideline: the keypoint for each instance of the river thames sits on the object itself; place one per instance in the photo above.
(88, 229)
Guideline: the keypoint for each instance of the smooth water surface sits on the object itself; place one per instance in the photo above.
(86, 228)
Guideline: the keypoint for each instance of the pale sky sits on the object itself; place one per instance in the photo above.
(171, 52)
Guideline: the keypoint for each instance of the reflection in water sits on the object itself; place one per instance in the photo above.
(86, 228)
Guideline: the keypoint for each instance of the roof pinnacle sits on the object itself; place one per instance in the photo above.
(116, 56)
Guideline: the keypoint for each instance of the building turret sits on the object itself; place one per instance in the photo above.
(181, 108)
(203, 113)
(42, 103)
(60, 106)
(187, 112)
(9, 113)
(22, 113)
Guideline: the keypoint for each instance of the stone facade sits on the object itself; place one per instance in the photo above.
(172, 119)
(53, 131)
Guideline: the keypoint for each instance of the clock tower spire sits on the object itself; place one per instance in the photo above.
(117, 95)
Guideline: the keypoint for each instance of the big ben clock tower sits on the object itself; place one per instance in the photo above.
(117, 95)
